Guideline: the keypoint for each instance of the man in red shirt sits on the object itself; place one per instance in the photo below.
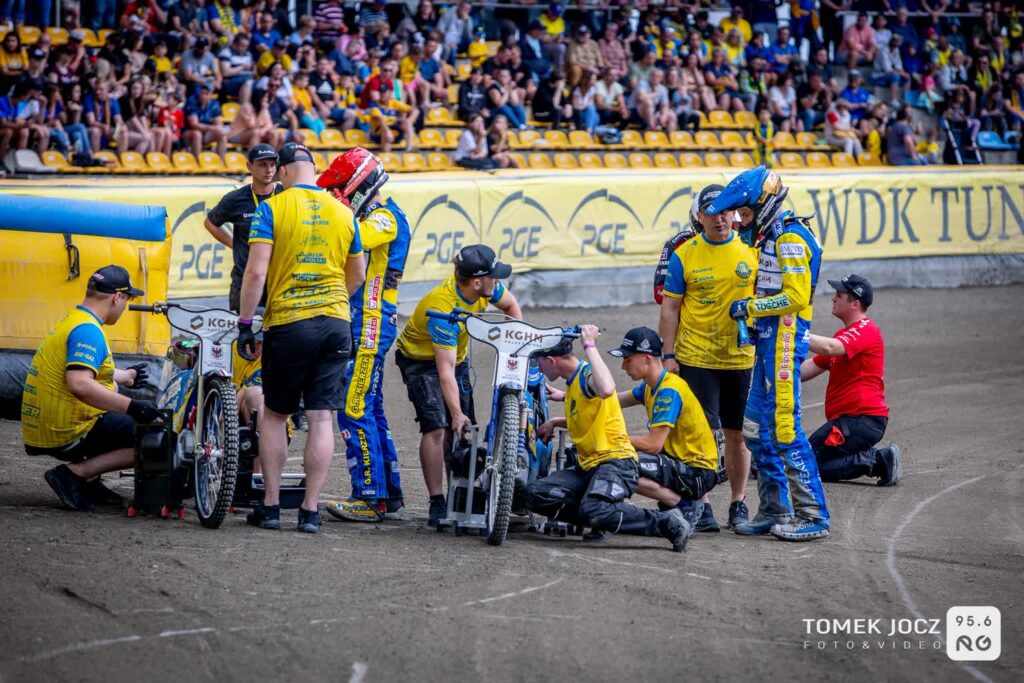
(855, 397)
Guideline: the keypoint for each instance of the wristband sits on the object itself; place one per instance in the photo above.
(589, 345)
(245, 321)
(668, 356)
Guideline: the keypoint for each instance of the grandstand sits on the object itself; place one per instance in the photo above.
(720, 68)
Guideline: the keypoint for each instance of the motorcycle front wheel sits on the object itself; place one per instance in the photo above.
(216, 464)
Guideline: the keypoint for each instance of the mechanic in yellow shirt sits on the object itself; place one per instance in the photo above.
(70, 408)
(304, 245)
(705, 275)
(678, 455)
(431, 355)
(594, 491)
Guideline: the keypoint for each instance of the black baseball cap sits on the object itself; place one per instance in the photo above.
(37, 53)
(562, 348)
(479, 260)
(707, 195)
(262, 151)
(639, 340)
(111, 279)
(856, 286)
(292, 152)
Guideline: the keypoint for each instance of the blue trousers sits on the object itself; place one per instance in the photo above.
(788, 481)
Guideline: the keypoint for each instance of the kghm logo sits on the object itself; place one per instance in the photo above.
(196, 322)
(493, 333)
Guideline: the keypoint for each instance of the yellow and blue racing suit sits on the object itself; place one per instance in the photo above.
(789, 260)
(370, 451)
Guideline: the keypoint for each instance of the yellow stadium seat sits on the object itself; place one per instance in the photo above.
(868, 159)
(690, 160)
(210, 162)
(519, 159)
(133, 162)
(392, 163)
(791, 160)
(438, 161)
(705, 139)
(58, 36)
(228, 111)
(539, 160)
(615, 160)
(319, 162)
(556, 139)
(741, 160)
(702, 118)
(413, 162)
(750, 141)
(56, 160)
(656, 139)
(451, 138)
(639, 160)
(453, 92)
(439, 116)
(665, 160)
(101, 36)
(631, 138)
(29, 35)
(733, 140)
(784, 140)
(106, 156)
(527, 138)
(715, 160)
(235, 162)
(312, 139)
(159, 163)
(745, 119)
(89, 38)
(720, 119)
(462, 69)
(589, 160)
(806, 140)
(565, 160)
(431, 139)
(818, 160)
(681, 139)
(332, 138)
(356, 137)
(184, 162)
(843, 160)
(581, 139)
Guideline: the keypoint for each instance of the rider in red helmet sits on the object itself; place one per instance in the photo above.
(355, 178)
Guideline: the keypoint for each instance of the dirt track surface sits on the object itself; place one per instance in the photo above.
(106, 598)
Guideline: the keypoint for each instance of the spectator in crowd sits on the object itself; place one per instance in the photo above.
(418, 26)
(237, 69)
(736, 21)
(203, 122)
(928, 149)
(856, 96)
(839, 129)
(534, 51)
(651, 106)
(305, 34)
(13, 60)
(277, 54)
(888, 70)
(456, 27)
(902, 147)
(905, 29)
(372, 14)
(764, 135)
(583, 102)
(551, 103)
(782, 101)
(831, 23)
(610, 99)
(266, 35)
(756, 49)
(993, 110)
(103, 118)
(881, 30)
(782, 52)
(953, 77)
(815, 100)
(498, 143)
(21, 114)
(472, 151)
(223, 19)
(721, 77)
(73, 121)
(858, 45)
(582, 55)
(136, 112)
(693, 86)
(505, 98)
(473, 96)
(199, 67)
(613, 51)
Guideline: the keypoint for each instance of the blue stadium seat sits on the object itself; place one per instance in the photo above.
(989, 139)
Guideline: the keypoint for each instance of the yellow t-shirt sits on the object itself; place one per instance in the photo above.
(873, 143)
(51, 417)
(746, 31)
(162, 64)
(478, 53)
(925, 147)
(672, 404)
(708, 276)
(313, 236)
(421, 334)
(554, 27)
(16, 62)
(246, 373)
(408, 69)
(346, 97)
(267, 60)
(302, 98)
(595, 424)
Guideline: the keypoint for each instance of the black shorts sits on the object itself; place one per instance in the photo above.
(112, 432)
(688, 481)
(305, 361)
(721, 393)
(424, 387)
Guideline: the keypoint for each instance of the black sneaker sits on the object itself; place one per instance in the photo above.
(309, 521)
(675, 528)
(299, 420)
(265, 517)
(597, 536)
(438, 511)
(892, 465)
(101, 495)
(738, 513)
(692, 510)
(707, 523)
(70, 488)
(395, 509)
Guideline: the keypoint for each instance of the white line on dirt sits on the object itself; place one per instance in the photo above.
(515, 594)
(358, 672)
(186, 632)
(901, 586)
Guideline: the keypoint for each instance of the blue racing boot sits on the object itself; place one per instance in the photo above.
(801, 530)
(760, 525)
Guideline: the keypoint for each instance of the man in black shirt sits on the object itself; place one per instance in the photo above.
(237, 207)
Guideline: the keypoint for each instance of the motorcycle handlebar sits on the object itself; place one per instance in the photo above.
(145, 308)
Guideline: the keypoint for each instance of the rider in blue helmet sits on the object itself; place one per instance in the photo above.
(789, 260)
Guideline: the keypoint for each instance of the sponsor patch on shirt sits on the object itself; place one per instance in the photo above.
(792, 250)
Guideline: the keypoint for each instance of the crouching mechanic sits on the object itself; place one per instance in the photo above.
(431, 355)
(593, 492)
(355, 178)
(70, 408)
(855, 407)
(678, 455)
(789, 259)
